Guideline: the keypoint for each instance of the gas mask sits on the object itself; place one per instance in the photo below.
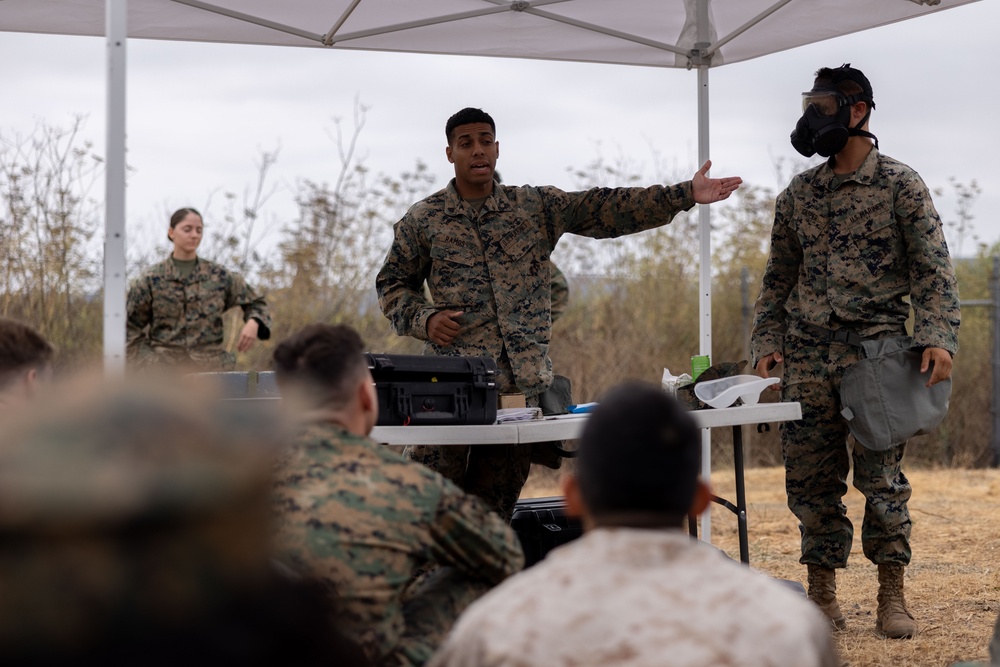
(826, 114)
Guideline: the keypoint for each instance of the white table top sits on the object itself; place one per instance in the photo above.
(567, 428)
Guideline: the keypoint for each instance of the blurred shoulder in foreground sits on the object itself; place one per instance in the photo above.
(134, 529)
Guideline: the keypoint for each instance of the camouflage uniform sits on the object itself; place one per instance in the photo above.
(847, 256)
(362, 519)
(642, 598)
(560, 292)
(174, 320)
(494, 266)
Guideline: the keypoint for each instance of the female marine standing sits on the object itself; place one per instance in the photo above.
(175, 308)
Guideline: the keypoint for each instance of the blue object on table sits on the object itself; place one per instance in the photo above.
(582, 407)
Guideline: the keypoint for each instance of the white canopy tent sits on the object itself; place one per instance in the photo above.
(692, 34)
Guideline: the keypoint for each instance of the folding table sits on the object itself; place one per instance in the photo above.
(570, 427)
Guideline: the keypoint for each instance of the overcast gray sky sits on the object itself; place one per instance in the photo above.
(199, 114)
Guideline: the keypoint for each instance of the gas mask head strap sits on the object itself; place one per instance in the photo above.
(847, 73)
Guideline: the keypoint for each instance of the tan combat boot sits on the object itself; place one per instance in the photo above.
(893, 620)
(823, 591)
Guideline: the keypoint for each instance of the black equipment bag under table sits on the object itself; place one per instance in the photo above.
(434, 390)
(542, 525)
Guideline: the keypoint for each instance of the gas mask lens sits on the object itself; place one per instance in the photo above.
(825, 103)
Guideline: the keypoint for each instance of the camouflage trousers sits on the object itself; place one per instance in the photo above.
(430, 608)
(495, 473)
(189, 361)
(818, 459)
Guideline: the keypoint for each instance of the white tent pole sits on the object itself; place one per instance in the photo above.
(114, 193)
(704, 281)
(705, 248)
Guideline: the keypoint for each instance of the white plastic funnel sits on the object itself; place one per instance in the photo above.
(723, 392)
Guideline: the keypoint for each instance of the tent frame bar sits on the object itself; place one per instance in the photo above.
(331, 39)
(328, 37)
(610, 33)
(247, 18)
(746, 26)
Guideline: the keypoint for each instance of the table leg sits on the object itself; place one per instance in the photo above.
(740, 508)
(741, 494)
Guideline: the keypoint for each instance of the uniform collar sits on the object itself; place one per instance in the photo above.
(318, 423)
(197, 273)
(864, 175)
(454, 205)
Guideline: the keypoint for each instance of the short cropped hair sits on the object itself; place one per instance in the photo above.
(466, 116)
(21, 349)
(639, 454)
(848, 80)
(325, 358)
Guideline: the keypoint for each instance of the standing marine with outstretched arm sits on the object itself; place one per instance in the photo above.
(483, 249)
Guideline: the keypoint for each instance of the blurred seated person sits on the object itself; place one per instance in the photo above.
(361, 519)
(135, 530)
(25, 364)
(636, 590)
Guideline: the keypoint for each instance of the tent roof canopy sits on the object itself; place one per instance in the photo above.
(657, 33)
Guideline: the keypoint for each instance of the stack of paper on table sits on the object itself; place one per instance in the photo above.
(507, 415)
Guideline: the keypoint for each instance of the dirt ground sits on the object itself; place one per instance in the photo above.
(952, 584)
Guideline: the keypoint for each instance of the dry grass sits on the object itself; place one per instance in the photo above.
(952, 585)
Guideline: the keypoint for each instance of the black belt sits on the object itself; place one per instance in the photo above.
(834, 335)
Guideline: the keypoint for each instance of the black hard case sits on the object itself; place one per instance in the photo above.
(434, 391)
(542, 525)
